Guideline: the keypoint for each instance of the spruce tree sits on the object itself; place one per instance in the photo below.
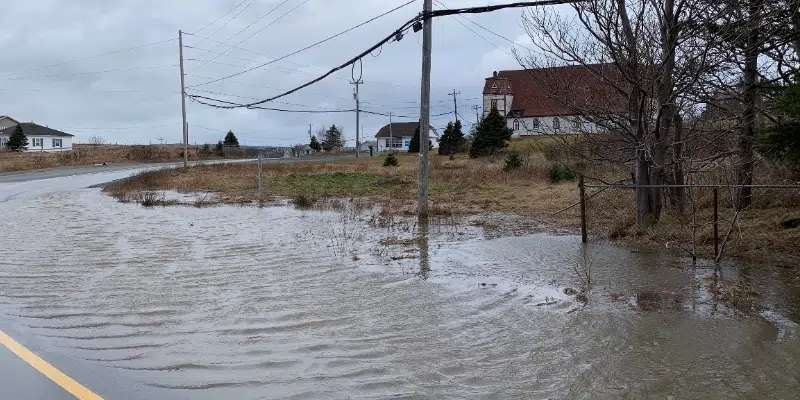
(17, 141)
(491, 135)
(452, 140)
(413, 147)
(315, 144)
(231, 140)
(332, 139)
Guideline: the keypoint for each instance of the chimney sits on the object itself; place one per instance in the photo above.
(494, 74)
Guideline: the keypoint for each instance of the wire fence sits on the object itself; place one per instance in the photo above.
(718, 242)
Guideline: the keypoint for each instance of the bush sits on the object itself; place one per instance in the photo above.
(513, 161)
(391, 161)
(561, 173)
(181, 155)
(302, 201)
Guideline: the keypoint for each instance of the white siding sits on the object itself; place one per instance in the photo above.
(47, 143)
(383, 143)
(527, 126)
(504, 103)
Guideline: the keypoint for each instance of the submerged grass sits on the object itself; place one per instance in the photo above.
(463, 186)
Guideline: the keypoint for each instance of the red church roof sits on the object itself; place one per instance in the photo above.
(568, 90)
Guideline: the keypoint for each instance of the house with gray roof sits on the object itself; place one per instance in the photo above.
(397, 136)
(40, 138)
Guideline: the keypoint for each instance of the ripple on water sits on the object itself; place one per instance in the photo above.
(230, 302)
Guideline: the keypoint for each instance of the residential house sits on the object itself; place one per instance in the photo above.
(364, 146)
(558, 100)
(40, 138)
(397, 136)
(6, 122)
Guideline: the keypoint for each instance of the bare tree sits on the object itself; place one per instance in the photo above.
(96, 140)
(647, 55)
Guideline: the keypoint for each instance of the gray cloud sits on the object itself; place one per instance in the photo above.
(132, 96)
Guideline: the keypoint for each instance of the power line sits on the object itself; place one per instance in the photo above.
(294, 71)
(310, 46)
(220, 17)
(231, 20)
(90, 57)
(92, 72)
(441, 3)
(256, 32)
(396, 35)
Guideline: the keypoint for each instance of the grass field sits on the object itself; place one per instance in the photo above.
(113, 154)
(465, 186)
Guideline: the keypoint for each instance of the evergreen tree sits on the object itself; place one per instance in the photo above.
(782, 141)
(315, 144)
(17, 141)
(231, 140)
(491, 135)
(332, 139)
(413, 147)
(452, 140)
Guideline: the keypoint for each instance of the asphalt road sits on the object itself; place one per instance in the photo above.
(19, 379)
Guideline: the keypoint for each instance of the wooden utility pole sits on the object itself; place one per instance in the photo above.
(425, 108)
(357, 82)
(309, 134)
(390, 133)
(455, 104)
(183, 104)
(477, 114)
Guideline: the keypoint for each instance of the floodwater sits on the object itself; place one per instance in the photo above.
(273, 302)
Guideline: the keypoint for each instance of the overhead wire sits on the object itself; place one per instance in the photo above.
(396, 34)
(90, 57)
(256, 32)
(310, 46)
(219, 18)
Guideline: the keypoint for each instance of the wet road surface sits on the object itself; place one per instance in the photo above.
(250, 303)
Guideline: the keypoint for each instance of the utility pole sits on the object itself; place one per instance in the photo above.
(309, 133)
(455, 104)
(183, 105)
(477, 114)
(357, 82)
(425, 108)
(390, 133)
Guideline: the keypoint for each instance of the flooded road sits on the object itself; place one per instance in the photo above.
(250, 303)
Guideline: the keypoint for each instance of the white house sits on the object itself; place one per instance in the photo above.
(40, 138)
(397, 136)
(548, 100)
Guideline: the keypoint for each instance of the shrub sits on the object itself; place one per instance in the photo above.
(513, 161)
(303, 201)
(561, 173)
(391, 161)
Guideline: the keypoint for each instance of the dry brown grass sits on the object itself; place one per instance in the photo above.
(465, 186)
(88, 155)
(460, 186)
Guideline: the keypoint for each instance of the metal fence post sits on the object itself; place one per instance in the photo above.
(584, 236)
(260, 177)
(716, 224)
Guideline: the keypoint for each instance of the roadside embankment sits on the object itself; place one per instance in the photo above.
(464, 186)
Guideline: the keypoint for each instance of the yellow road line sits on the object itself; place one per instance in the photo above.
(60, 379)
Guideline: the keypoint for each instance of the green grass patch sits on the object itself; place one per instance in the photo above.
(336, 184)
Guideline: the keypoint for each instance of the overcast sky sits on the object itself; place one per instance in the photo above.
(133, 96)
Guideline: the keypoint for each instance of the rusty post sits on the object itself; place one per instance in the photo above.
(584, 237)
(716, 225)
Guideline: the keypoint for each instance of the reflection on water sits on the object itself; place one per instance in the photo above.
(228, 302)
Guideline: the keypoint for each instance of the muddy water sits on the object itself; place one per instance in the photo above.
(245, 302)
